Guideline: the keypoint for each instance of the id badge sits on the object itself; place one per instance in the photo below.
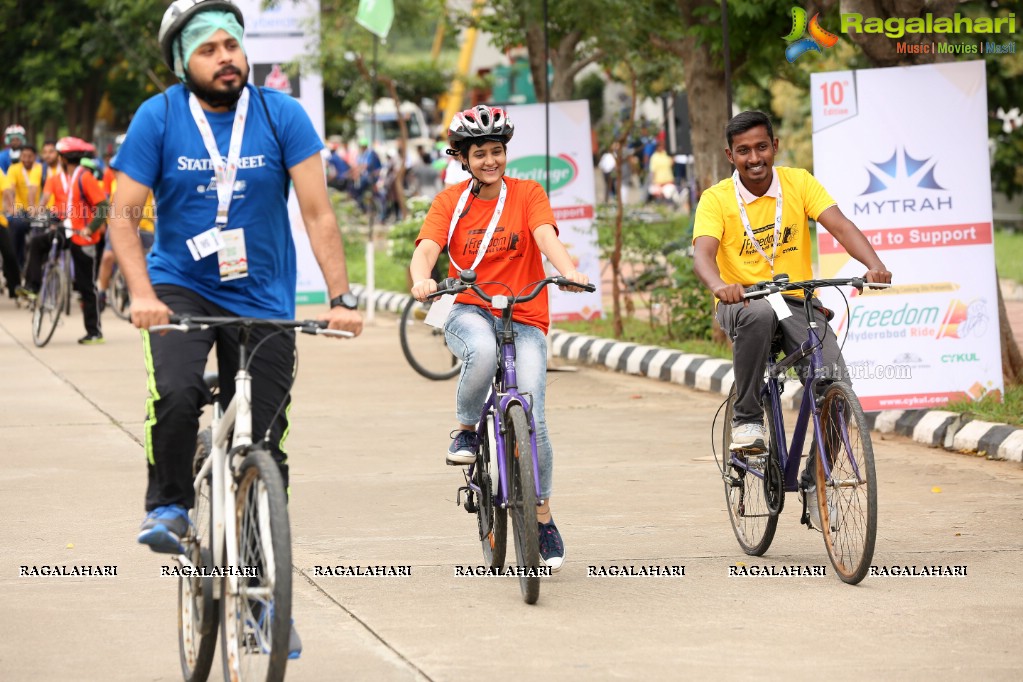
(781, 308)
(233, 263)
(206, 243)
(439, 311)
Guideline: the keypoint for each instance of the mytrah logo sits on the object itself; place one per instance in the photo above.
(563, 169)
(903, 175)
(963, 320)
(800, 43)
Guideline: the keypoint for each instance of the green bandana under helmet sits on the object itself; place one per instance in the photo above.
(199, 30)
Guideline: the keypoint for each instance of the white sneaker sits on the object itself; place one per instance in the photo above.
(750, 436)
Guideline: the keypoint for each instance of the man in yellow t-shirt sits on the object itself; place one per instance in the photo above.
(12, 274)
(26, 178)
(731, 253)
(662, 175)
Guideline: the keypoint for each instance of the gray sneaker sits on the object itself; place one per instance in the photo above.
(750, 436)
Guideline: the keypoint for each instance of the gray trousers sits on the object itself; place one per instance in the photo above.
(751, 328)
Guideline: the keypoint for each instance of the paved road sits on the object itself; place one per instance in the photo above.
(634, 486)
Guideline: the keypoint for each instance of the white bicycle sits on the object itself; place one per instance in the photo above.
(236, 569)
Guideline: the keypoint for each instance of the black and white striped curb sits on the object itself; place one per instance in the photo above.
(934, 428)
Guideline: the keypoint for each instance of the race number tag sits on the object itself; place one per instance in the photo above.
(440, 310)
(781, 308)
(206, 243)
(233, 263)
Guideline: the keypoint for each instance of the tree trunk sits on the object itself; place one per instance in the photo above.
(616, 253)
(879, 48)
(1012, 359)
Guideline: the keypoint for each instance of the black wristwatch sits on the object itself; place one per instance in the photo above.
(345, 300)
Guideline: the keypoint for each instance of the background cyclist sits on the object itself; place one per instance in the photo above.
(749, 228)
(501, 233)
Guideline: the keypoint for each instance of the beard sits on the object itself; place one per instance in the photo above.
(219, 97)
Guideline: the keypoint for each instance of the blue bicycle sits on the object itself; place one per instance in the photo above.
(839, 490)
(511, 455)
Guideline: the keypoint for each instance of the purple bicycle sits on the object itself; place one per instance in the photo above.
(839, 492)
(511, 455)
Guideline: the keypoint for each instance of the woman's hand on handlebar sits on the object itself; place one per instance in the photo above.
(577, 277)
(423, 288)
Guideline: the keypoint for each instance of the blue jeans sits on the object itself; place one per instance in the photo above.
(471, 333)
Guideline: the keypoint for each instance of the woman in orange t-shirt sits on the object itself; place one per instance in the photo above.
(523, 231)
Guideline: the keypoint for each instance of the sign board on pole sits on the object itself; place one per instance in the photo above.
(571, 190)
(904, 152)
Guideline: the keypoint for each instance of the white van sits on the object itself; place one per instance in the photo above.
(387, 131)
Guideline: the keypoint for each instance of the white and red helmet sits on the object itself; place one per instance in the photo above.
(482, 121)
(74, 148)
(13, 131)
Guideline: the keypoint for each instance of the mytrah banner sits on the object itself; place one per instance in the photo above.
(273, 38)
(571, 190)
(904, 152)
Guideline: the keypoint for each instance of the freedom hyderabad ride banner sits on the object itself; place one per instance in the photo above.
(571, 190)
(274, 37)
(904, 152)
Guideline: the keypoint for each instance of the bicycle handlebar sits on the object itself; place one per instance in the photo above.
(185, 323)
(761, 289)
(467, 281)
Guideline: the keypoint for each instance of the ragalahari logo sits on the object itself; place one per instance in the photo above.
(884, 174)
(817, 41)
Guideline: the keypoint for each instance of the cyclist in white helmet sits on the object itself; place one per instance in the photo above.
(14, 140)
(479, 139)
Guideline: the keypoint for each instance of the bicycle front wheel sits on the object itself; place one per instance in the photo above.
(753, 502)
(256, 618)
(197, 610)
(424, 346)
(491, 519)
(847, 496)
(49, 305)
(522, 501)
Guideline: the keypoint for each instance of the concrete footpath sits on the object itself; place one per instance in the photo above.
(635, 485)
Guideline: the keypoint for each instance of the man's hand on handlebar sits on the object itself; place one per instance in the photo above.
(339, 318)
(878, 274)
(730, 293)
(149, 312)
(423, 288)
(578, 277)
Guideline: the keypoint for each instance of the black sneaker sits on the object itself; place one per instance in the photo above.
(101, 300)
(163, 529)
(91, 340)
(552, 548)
(463, 448)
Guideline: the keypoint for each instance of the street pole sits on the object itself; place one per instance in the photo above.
(370, 249)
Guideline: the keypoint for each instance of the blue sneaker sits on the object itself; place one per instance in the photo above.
(463, 449)
(552, 548)
(163, 529)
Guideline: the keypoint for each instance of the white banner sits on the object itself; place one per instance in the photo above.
(571, 190)
(904, 152)
(273, 38)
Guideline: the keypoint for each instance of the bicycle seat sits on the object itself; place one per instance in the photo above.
(212, 380)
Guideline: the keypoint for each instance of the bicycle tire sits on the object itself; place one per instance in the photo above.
(749, 509)
(118, 298)
(847, 502)
(49, 305)
(256, 631)
(198, 616)
(491, 519)
(522, 501)
(424, 346)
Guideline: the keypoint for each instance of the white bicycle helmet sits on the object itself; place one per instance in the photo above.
(481, 121)
(180, 13)
(13, 131)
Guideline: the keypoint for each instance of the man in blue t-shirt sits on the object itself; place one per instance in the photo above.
(217, 254)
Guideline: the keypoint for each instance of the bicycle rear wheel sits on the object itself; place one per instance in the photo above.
(522, 501)
(197, 610)
(256, 621)
(847, 499)
(118, 298)
(752, 509)
(492, 520)
(424, 346)
(49, 305)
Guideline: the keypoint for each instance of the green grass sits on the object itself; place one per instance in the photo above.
(1009, 254)
(991, 409)
(639, 331)
(389, 275)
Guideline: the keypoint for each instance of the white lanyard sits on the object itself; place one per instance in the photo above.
(224, 171)
(68, 189)
(28, 180)
(749, 230)
(490, 228)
